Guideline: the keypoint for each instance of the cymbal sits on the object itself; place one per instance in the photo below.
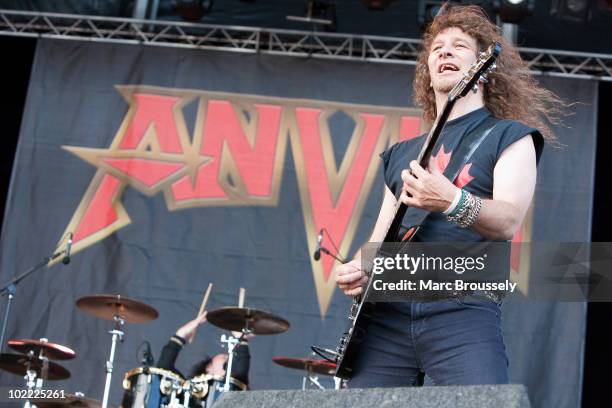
(18, 364)
(109, 306)
(69, 401)
(50, 350)
(238, 318)
(318, 366)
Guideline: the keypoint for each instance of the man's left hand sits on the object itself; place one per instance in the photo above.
(430, 191)
(187, 330)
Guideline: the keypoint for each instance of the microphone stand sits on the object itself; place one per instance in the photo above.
(335, 256)
(11, 289)
(321, 248)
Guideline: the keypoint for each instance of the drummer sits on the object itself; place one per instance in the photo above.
(214, 366)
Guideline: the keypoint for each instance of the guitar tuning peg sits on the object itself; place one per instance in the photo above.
(475, 88)
(484, 79)
(492, 67)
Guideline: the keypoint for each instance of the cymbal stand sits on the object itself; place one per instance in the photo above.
(44, 373)
(231, 344)
(117, 334)
(311, 378)
(33, 382)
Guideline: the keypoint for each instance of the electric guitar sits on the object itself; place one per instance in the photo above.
(360, 311)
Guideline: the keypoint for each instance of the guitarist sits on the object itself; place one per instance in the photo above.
(456, 341)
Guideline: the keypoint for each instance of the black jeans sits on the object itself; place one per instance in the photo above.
(454, 342)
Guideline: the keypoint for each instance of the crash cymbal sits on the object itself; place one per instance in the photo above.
(318, 366)
(238, 318)
(69, 401)
(50, 350)
(109, 306)
(18, 364)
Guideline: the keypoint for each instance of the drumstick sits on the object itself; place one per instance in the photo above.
(205, 300)
(241, 297)
(202, 309)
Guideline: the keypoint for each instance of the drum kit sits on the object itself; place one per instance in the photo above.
(146, 386)
(143, 386)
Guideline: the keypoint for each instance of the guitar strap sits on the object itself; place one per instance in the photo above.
(460, 156)
(467, 146)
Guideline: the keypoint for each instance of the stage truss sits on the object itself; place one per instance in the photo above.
(270, 41)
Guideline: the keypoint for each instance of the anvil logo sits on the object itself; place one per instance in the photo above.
(236, 158)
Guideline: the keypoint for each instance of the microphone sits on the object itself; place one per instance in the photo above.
(66, 259)
(147, 356)
(317, 253)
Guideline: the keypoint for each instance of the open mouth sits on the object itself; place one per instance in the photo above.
(447, 67)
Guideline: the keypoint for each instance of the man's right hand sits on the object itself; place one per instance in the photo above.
(350, 278)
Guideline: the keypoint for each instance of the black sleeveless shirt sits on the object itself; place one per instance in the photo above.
(475, 177)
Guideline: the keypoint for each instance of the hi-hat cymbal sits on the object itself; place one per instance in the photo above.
(318, 366)
(239, 318)
(109, 306)
(70, 400)
(50, 350)
(18, 364)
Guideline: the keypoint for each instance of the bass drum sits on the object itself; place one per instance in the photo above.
(151, 387)
(207, 389)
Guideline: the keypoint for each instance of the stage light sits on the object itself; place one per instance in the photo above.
(318, 12)
(193, 10)
(573, 10)
(513, 11)
(603, 6)
(427, 10)
(376, 4)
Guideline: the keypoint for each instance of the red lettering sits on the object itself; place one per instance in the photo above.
(246, 153)
(334, 213)
(156, 111)
(410, 127)
(100, 213)
(236, 157)
(148, 172)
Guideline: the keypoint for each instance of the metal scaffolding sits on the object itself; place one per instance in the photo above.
(270, 41)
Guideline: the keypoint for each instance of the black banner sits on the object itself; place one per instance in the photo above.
(177, 168)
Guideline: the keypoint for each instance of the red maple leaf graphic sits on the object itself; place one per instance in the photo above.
(441, 161)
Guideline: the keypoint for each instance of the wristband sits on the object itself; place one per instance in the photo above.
(178, 340)
(455, 202)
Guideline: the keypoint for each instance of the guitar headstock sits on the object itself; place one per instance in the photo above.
(478, 71)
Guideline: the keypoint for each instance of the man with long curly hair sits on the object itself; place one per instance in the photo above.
(458, 340)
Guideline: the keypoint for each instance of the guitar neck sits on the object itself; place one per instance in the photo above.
(434, 134)
(395, 225)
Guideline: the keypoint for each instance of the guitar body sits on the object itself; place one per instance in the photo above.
(360, 316)
(361, 310)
